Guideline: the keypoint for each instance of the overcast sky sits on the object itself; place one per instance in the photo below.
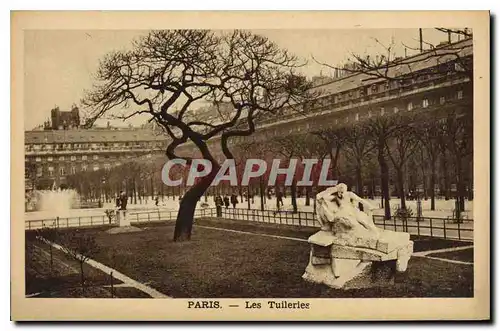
(59, 64)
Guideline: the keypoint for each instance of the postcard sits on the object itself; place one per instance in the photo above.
(250, 166)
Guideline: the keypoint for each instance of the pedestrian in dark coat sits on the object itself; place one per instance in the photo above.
(234, 200)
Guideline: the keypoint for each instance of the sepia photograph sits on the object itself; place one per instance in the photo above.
(253, 169)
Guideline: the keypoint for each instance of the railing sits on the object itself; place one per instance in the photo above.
(445, 228)
(68, 222)
(300, 218)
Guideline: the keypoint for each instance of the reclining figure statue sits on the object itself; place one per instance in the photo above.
(337, 204)
(350, 246)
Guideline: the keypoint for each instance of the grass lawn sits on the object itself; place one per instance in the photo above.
(63, 279)
(421, 243)
(225, 264)
(465, 255)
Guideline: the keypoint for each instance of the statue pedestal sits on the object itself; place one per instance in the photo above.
(123, 219)
(346, 261)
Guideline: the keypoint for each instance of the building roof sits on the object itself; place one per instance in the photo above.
(91, 136)
(424, 60)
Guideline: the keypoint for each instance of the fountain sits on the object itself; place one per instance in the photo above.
(57, 201)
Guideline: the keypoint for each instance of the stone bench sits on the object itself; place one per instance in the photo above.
(336, 260)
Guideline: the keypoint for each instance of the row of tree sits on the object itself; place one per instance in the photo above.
(399, 151)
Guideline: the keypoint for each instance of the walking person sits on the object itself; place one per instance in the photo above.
(218, 205)
(279, 200)
(226, 201)
(234, 200)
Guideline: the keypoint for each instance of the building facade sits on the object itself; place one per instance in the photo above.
(52, 155)
(434, 83)
(63, 120)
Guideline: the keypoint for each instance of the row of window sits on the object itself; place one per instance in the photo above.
(93, 146)
(364, 91)
(75, 158)
(73, 169)
(63, 158)
(345, 99)
(425, 103)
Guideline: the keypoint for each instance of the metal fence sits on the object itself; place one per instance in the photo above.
(68, 222)
(446, 228)
(300, 218)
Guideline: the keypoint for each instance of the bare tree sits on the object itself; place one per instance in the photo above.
(169, 72)
(357, 146)
(401, 146)
(251, 148)
(391, 67)
(290, 147)
(48, 235)
(81, 247)
(333, 142)
(458, 137)
(382, 129)
(31, 174)
(429, 134)
(312, 146)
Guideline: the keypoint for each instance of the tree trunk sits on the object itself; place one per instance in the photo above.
(185, 216)
(460, 186)
(152, 187)
(135, 193)
(401, 187)
(262, 194)
(372, 191)
(359, 181)
(248, 197)
(293, 192)
(446, 179)
(308, 195)
(433, 184)
(470, 192)
(384, 179)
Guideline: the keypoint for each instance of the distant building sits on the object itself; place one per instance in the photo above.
(52, 155)
(63, 120)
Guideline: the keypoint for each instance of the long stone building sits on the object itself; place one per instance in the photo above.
(428, 82)
(52, 155)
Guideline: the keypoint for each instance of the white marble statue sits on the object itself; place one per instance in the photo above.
(337, 204)
(349, 246)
